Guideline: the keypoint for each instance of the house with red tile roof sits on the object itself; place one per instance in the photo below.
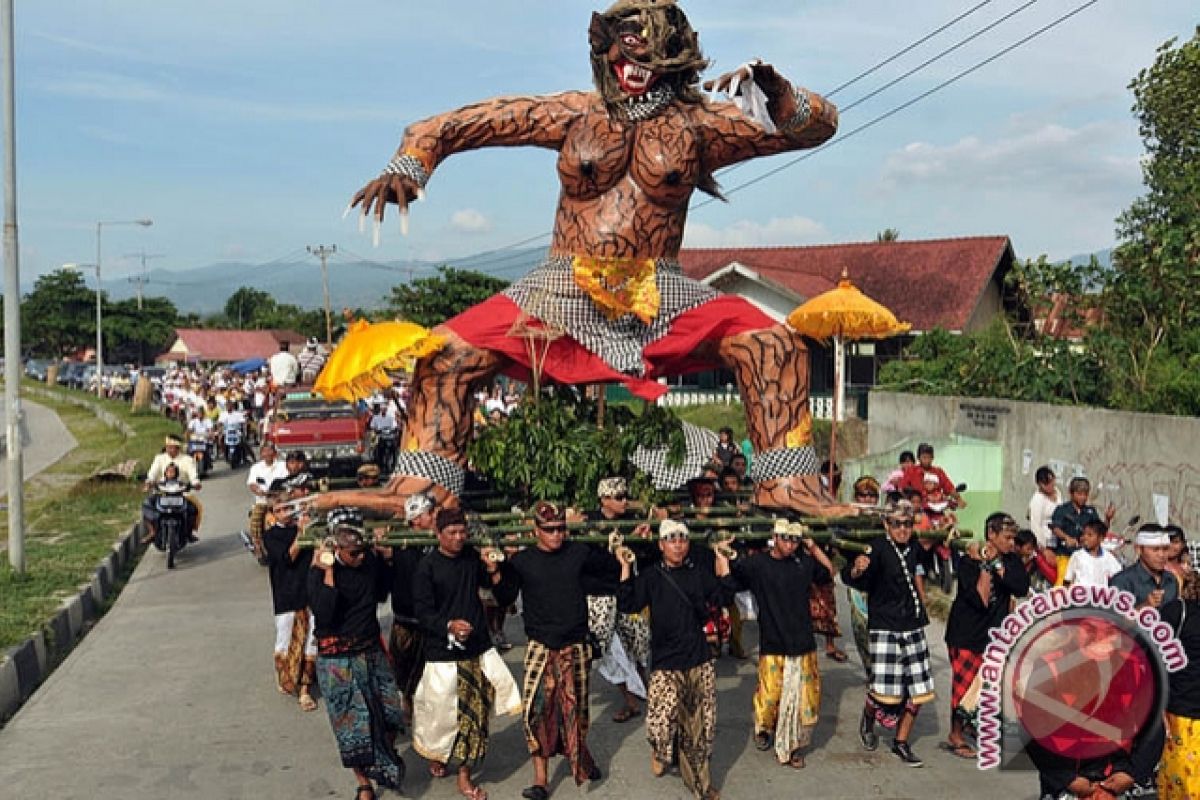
(953, 284)
(213, 346)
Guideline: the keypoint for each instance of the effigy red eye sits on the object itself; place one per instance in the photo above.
(632, 40)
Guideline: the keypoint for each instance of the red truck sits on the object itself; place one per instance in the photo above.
(334, 435)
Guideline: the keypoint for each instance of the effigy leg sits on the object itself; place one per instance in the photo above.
(433, 454)
(771, 367)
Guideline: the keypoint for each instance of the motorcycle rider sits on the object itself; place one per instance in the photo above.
(232, 417)
(172, 455)
(201, 427)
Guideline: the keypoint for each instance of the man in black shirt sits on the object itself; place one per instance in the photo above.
(549, 577)
(454, 700)
(989, 577)
(901, 675)
(345, 585)
(787, 702)
(288, 566)
(406, 643)
(624, 665)
(681, 705)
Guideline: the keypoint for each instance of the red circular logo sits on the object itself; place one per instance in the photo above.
(1083, 685)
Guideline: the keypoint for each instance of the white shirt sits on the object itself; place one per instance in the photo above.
(234, 417)
(263, 475)
(382, 422)
(1086, 569)
(284, 368)
(187, 468)
(200, 426)
(1041, 509)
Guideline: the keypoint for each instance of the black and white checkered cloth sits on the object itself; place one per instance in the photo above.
(701, 443)
(439, 469)
(784, 462)
(900, 668)
(550, 294)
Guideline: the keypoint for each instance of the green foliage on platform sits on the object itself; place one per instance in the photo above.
(553, 449)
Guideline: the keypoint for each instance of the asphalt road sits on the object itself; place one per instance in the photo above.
(44, 440)
(172, 696)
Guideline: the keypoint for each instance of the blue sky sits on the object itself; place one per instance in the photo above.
(242, 128)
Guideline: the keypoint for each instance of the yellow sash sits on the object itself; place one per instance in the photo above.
(619, 286)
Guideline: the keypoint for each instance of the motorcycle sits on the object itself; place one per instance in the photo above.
(235, 446)
(941, 517)
(171, 503)
(384, 447)
(200, 449)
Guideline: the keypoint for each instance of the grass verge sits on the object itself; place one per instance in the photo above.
(71, 522)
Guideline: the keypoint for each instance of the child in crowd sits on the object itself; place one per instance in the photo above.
(1041, 568)
(1091, 564)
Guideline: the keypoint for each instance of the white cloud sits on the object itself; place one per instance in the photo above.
(752, 233)
(1050, 154)
(468, 220)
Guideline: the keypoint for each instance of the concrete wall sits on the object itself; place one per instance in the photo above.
(1130, 458)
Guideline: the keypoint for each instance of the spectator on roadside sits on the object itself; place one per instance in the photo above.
(1042, 505)
(726, 447)
(892, 488)
(1091, 564)
(1069, 519)
(285, 369)
(914, 476)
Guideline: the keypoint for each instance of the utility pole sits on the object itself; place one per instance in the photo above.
(322, 252)
(12, 307)
(142, 277)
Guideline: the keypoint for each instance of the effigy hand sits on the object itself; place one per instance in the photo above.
(762, 74)
(387, 188)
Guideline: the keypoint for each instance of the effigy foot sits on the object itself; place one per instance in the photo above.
(802, 494)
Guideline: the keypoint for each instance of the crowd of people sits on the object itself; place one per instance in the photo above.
(641, 613)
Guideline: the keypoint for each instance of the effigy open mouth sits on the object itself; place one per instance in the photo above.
(634, 79)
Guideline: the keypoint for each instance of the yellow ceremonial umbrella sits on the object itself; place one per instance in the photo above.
(357, 367)
(841, 313)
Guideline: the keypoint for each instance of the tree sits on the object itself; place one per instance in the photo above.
(888, 235)
(133, 334)
(247, 305)
(1152, 303)
(59, 315)
(433, 300)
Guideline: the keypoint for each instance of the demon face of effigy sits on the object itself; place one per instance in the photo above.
(643, 46)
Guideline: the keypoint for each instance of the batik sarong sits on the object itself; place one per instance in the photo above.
(1179, 771)
(787, 701)
(858, 624)
(822, 607)
(406, 649)
(452, 704)
(364, 710)
(682, 709)
(556, 705)
(295, 651)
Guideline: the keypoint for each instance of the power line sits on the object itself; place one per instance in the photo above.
(939, 56)
(908, 103)
(905, 50)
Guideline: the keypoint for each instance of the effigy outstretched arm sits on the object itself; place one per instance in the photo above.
(787, 118)
(541, 121)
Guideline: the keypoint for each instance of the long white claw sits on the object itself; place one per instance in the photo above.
(375, 234)
(347, 211)
(404, 222)
(420, 193)
(362, 221)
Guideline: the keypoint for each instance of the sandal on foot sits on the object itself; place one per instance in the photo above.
(535, 792)
(762, 741)
(625, 714)
(474, 793)
(437, 769)
(365, 791)
(960, 750)
(308, 702)
(796, 760)
(837, 655)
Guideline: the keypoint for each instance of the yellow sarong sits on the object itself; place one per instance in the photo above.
(787, 702)
(1179, 773)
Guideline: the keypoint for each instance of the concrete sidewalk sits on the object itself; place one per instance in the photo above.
(172, 696)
